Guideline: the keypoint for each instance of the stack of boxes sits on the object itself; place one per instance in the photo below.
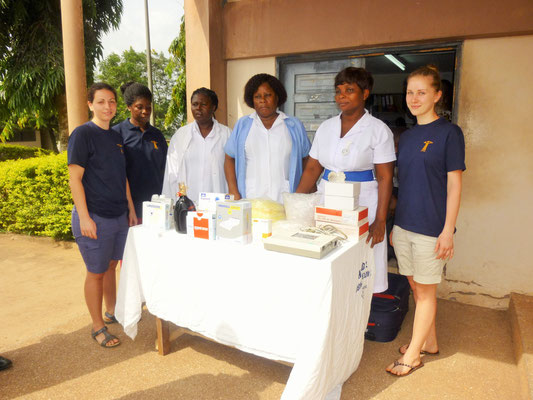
(341, 210)
(202, 223)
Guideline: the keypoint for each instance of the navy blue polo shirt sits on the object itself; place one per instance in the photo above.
(101, 153)
(426, 153)
(146, 154)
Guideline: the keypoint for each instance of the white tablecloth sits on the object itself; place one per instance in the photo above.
(312, 313)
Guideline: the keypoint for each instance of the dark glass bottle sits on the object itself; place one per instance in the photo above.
(182, 207)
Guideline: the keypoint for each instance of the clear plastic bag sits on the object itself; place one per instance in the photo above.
(300, 207)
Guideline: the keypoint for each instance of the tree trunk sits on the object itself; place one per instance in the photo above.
(51, 142)
(61, 104)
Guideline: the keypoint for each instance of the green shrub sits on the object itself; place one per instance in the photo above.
(35, 196)
(15, 152)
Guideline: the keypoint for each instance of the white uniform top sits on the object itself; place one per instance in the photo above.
(267, 153)
(368, 142)
(196, 161)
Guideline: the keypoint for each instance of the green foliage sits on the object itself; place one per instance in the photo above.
(31, 58)
(177, 110)
(35, 196)
(15, 152)
(131, 66)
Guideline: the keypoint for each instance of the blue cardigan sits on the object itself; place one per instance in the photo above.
(236, 144)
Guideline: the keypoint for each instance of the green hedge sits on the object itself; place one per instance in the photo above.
(15, 152)
(35, 196)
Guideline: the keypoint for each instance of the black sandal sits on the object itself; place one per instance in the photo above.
(108, 337)
(109, 318)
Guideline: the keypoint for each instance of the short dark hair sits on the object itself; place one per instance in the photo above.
(131, 91)
(209, 93)
(257, 80)
(360, 76)
(99, 86)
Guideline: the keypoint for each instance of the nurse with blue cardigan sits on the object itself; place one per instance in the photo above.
(267, 150)
(362, 147)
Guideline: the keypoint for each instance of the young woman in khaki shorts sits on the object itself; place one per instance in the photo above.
(430, 165)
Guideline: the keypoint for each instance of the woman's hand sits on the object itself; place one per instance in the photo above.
(88, 227)
(132, 217)
(444, 246)
(236, 195)
(376, 232)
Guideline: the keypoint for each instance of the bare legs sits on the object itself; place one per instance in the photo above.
(424, 332)
(100, 287)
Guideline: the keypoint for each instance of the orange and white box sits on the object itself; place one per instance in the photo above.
(337, 216)
(261, 228)
(201, 225)
(354, 232)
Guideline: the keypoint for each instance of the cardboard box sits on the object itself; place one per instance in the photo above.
(341, 216)
(234, 221)
(344, 189)
(156, 215)
(208, 201)
(261, 228)
(354, 233)
(341, 203)
(201, 225)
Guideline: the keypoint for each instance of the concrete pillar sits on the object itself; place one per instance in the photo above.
(74, 58)
(205, 61)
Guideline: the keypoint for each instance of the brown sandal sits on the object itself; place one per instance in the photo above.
(412, 368)
(422, 352)
(108, 338)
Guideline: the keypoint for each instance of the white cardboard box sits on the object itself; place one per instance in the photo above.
(208, 201)
(341, 202)
(341, 216)
(234, 221)
(201, 225)
(345, 189)
(156, 215)
(261, 228)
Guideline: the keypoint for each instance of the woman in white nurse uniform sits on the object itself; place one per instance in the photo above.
(362, 147)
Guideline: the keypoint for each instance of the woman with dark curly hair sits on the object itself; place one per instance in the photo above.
(145, 146)
(196, 151)
(362, 148)
(267, 150)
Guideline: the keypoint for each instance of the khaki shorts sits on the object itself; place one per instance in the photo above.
(416, 256)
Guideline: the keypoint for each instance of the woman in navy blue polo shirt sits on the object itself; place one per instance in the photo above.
(145, 146)
(431, 160)
(103, 208)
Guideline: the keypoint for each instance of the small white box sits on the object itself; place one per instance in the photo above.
(341, 216)
(201, 225)
(261, 228)
(341, 203)
(234, 221)
(344, 189)
(208, 201)
(156, 215)
(354, 233)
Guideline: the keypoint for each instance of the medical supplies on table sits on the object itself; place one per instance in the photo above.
(234, 221)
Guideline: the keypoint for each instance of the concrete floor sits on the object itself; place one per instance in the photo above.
(45, 331)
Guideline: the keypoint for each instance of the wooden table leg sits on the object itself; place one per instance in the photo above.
(163, 336)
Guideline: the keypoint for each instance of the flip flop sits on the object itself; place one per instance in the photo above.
(108, 337)
(422, 352)
(109, 318)
(412, 369)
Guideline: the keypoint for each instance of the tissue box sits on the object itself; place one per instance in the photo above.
(341, 216)
(234, 221)
(261, 228)
(344, 189)
(201, 225)
(156, 215)
(208, 201)
(341, 202)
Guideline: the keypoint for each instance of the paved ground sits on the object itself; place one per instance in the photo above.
(45, 331)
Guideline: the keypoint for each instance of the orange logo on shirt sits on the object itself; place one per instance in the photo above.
(155, 144)
(120, 147)
(426, 144)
